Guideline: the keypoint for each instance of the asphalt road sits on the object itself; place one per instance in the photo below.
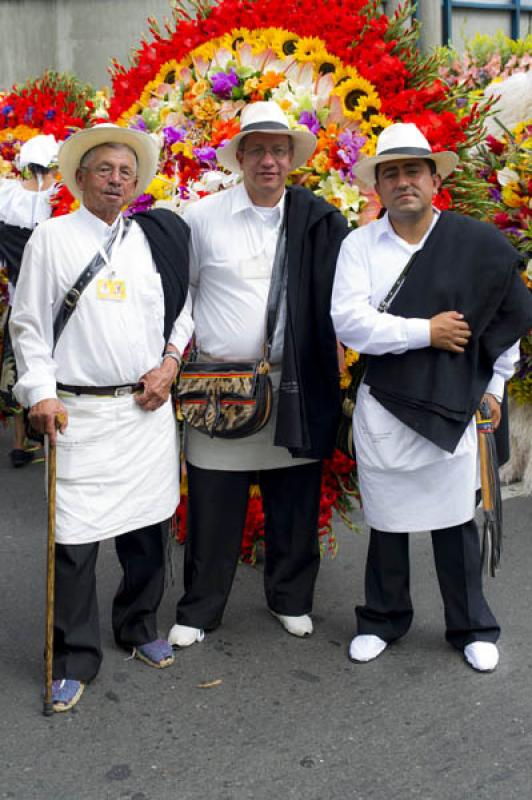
(286, 719)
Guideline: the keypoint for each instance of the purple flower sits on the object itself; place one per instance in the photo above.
(140, 125)
(173, 135)
(7, 110)
(349, 150)
(311, 121)
(205, 154)
(142, 203)
(461, 102)
(495, 194)
(50, 114)
(223, 83)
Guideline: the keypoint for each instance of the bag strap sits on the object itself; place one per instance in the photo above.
(73, 295)
(276, 288)
(385, 304)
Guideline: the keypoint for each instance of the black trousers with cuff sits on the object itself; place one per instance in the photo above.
(388, 610)
(77, 645)
(217, 504)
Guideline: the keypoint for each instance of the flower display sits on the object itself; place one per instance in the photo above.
(193, 108)
(486, 59)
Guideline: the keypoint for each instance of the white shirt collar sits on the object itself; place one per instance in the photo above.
(385, 227)
(241, 201)
(95, 223)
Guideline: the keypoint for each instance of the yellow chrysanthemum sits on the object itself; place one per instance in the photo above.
(521, 130)
(21, 133)
(206, 109)
(285, 43)
(251, 85)
(310, 48)
(320, 162)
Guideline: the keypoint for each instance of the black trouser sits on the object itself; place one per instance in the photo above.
(217, 503)
(77, 648)
(388, 610)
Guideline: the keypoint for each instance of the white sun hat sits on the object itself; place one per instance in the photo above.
(74, 148)
(404, 141)
(267, 117)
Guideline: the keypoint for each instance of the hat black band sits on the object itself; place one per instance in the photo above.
(407, 151)
(270, 126)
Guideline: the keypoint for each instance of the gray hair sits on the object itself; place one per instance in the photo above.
(89, 155)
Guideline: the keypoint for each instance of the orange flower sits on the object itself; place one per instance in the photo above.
(224, 130)
(270, 80)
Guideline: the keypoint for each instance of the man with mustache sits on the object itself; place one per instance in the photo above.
(435, 302)
(236, 236)
(98, 323)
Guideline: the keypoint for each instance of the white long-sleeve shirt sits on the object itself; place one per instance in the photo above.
(105, 342)
(232, 249)
(407, 482)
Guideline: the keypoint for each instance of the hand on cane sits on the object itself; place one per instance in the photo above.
(49, 416)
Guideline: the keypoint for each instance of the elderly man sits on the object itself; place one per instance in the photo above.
(234, 240)
(97, 343)
(436, 303)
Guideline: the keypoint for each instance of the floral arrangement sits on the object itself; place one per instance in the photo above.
(188, 85)
(486, 59)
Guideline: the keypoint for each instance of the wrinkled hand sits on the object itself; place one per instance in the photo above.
(449, 331)
(495, 409)
(49, 416)
(157, 384)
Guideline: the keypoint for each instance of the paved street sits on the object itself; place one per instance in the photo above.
(287, 719)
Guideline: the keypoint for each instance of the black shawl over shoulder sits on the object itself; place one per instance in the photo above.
(466, 266)
(168, 237)
(12, 243)
(309, 396)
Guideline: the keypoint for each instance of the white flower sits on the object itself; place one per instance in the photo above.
(506, 176)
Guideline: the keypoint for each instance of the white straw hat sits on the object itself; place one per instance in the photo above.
(403, 140)
(74, 148)
(267, 117)
(40, 150)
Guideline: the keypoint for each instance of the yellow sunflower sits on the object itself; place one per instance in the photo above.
(369, 105)
(310, 48)
(328, 64)
(344, 73)
(168, 72)
(377, 123)
(285, 43)
(238, 36)
(351, 92)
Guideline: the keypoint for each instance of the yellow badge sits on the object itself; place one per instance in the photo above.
(108, 289)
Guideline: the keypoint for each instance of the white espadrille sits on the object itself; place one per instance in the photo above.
(482, 656)
(366, 647)
(184, 635)
(297, 626)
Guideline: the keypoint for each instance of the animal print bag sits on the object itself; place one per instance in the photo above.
(227, 400)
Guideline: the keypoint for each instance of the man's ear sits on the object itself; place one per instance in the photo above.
(436, 182)
(79, 177)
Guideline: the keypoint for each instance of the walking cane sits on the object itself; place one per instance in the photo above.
(48, 708)
(491, 492)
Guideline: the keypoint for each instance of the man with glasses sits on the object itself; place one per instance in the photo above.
(234, 240)
(97, 342)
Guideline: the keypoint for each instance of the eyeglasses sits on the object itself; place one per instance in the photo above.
(278, 152)
(106, 171)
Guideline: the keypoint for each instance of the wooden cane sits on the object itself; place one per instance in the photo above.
(48, 708)
(485, 483)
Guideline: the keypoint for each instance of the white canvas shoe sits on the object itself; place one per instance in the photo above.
(184, 635)
(297, 626)
(366, 647)
(482, 656)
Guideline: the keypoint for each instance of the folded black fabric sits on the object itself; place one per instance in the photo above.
(12, 243)
(470, 267)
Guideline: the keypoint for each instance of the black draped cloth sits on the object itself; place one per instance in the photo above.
(168, 237)
(309, 394)
(470, 267)
(12, 242)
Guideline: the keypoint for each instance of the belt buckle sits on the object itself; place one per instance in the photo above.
(122, 391)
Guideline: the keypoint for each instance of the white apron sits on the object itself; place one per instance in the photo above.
(117, 468)
(406, 482)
